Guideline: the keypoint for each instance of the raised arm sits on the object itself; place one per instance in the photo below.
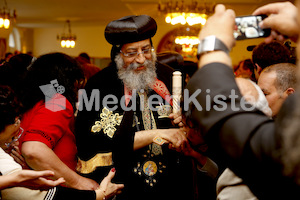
(244, 140)
(221, 25)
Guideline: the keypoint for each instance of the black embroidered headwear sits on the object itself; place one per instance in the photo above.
(129, 29)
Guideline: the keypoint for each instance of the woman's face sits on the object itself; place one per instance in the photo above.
(10, 132)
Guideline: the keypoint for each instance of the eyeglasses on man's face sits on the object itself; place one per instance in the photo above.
(134, 54)
(16, 138)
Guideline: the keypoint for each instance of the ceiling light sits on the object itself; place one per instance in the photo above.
(6, 17)
(187, 42)
(181, 13)
(67, 40)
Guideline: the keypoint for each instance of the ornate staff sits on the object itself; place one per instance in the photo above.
(177, 90)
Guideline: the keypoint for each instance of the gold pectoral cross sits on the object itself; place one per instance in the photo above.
(108, 122)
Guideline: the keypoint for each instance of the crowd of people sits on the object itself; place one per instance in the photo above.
(69, 130)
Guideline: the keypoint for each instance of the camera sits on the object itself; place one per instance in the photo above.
(247, 27)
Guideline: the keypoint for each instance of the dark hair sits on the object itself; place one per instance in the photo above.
(247, 64)
(85, 55)
(8, 54)
(268, 54)
(14, 71)
(49, 67)
(9, 107)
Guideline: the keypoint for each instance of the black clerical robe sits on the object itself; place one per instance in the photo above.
(153, 172)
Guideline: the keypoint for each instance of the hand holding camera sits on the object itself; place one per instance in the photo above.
(247, 27)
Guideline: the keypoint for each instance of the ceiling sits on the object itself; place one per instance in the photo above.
(53, 13)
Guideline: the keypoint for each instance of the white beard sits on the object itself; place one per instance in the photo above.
(137, 81)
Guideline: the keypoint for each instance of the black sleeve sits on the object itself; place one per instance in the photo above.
(123, 144)
(63, 193)
(243, 140)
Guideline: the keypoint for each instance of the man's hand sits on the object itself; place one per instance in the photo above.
(282, 20)
(176, 119)
(195, 138)
(222, 25)
(175, 137)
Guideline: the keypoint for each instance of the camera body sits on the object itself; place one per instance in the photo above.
(247, 27)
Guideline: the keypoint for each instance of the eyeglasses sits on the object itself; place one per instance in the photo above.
(16, 138)
(134, 54)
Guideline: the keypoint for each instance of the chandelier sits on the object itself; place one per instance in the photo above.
(187, 37)
(180, 13)
(187, 42)
(67, 40)
(6, 17)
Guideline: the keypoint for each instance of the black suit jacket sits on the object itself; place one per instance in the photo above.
(245, 141)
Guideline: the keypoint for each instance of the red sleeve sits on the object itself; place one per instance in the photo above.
(48, 126)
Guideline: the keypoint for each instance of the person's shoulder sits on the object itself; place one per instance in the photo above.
(106, 79)
(164, 73)
(163, 70)
(91, 66)
(161, 67)
(57, 104)
(104, 75)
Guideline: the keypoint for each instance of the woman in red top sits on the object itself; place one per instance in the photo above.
(49, 96)
(16, 183)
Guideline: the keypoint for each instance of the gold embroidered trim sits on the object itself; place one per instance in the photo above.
(147, 115)
(99, 160)
(149, 122)
(164, 111)
(107, 123)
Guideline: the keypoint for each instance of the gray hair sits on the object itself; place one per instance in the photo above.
(137, 81)
(285, 75)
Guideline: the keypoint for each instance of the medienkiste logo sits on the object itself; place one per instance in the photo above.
(54, 100)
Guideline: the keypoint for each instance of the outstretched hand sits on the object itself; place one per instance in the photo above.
(108, 189)
(35, 179)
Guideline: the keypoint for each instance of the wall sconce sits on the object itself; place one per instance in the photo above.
(5, 17)
(67, 40)
(180, 13)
